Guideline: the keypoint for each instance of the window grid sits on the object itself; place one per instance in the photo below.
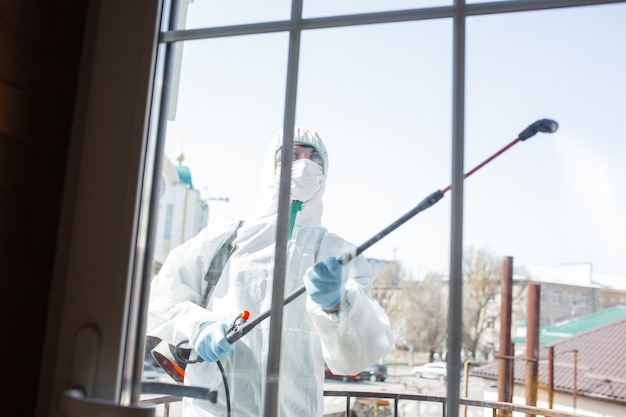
(459, 11)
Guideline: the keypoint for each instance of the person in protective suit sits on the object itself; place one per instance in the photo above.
(337, 322)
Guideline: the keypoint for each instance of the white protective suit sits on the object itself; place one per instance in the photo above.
(349, 340)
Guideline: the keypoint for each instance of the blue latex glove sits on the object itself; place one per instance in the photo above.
(324, 282)
(211, 344)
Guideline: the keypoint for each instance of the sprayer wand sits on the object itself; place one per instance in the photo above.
(542, 125)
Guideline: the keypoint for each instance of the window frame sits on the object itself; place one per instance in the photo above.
(95, 323)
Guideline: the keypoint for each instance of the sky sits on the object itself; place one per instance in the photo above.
(380, 96)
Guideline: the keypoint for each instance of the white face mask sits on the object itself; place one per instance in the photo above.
(307, 179)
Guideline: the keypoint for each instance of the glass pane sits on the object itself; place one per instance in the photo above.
(316, 8)
(370, 94)
(556, 198)
(230, 104)
(225, 109)
(213, 13)
(380, 96)
(197, 14)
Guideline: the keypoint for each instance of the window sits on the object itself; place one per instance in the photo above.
(571, 299)
(169, 214)
(352, 85)
(370, 87)
(584, 300)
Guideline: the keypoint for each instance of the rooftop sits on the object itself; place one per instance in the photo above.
(601, 368)
(576, 325)
(579, 274)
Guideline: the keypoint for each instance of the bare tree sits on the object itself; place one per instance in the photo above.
(390, 274)
(388, 291)
(418, 309)
(389, 277)
(421, 314)
(481, 287)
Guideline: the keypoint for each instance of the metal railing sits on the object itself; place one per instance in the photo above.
(396, 399)
(466, 402)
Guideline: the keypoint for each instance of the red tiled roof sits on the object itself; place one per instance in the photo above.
(601, 364)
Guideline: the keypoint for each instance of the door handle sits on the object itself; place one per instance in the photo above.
(76, 401)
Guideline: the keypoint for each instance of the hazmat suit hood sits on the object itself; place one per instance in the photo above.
(305, 174)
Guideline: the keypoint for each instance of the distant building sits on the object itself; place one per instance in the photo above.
(568, 291)
(182, 210)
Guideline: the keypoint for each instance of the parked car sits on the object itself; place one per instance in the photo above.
(328, 374)
(433, 370)
(377, 372)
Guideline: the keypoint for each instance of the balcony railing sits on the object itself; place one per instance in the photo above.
(387, 404)
(464, 402)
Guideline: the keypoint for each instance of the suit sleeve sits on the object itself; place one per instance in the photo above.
(359, 334)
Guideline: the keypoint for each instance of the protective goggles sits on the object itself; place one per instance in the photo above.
(301, 151)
